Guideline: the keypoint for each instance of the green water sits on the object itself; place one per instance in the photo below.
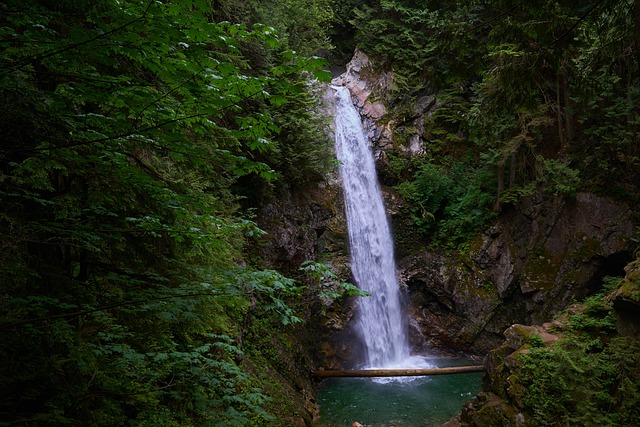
(423, 402)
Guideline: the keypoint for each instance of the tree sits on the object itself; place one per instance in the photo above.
(524, 86)
(124, 125)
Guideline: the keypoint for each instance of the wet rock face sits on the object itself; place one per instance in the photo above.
(365, 83)
(294, 222)
(556, 250)
(455, 307)
(536, 260)
(299, 225)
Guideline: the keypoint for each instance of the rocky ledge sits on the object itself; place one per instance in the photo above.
(583, 368)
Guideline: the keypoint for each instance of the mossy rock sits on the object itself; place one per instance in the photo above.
(516, 390)
(629, 289)
(540, 272)
(517, 336)
(490, 410)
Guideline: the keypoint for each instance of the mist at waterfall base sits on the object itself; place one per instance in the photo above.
(380, 323)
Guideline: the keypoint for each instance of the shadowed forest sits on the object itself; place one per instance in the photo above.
(139, 139)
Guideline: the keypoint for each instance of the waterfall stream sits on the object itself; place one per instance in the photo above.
(410, 401)
(380, 317)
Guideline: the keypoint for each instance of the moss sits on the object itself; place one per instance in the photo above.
(630, 285)
(587, 247)
(406, 240)
(587, 376)
(516, 390)
(467, 283)
(524, 331)
(540, 271)
(473, 247)
(401, 137)
(488, 290)
(278, 359)
(284, 401)
(496, 412)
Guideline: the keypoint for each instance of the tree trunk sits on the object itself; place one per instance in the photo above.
(568, 117)
(636, 32)
(398, 372)
(498, 204)
(512, 171)
(561, 134)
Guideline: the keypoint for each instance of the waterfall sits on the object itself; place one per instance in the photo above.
(380, 318)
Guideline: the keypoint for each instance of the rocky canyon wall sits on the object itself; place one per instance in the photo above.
(534, 260)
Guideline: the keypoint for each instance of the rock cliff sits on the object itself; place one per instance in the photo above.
(534, 260)
(579, 369)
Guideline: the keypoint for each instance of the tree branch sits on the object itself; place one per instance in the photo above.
(582, 18)
(78, 313)
(137, 131)
(58, 51)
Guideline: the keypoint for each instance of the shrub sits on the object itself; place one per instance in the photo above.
(448, 204)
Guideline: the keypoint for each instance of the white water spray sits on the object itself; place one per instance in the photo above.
(380, 318)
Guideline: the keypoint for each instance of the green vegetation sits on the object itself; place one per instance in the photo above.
(588, 378)
(328, 283)
(137, 137)
(131, 130)
(451, 204)
(545, 96)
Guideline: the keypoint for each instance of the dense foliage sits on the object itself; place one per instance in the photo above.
(524, 99)
(127, 130)
(450, 204)
(589, 378)
(544, 94)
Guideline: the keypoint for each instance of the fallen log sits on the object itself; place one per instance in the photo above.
(397, 372)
